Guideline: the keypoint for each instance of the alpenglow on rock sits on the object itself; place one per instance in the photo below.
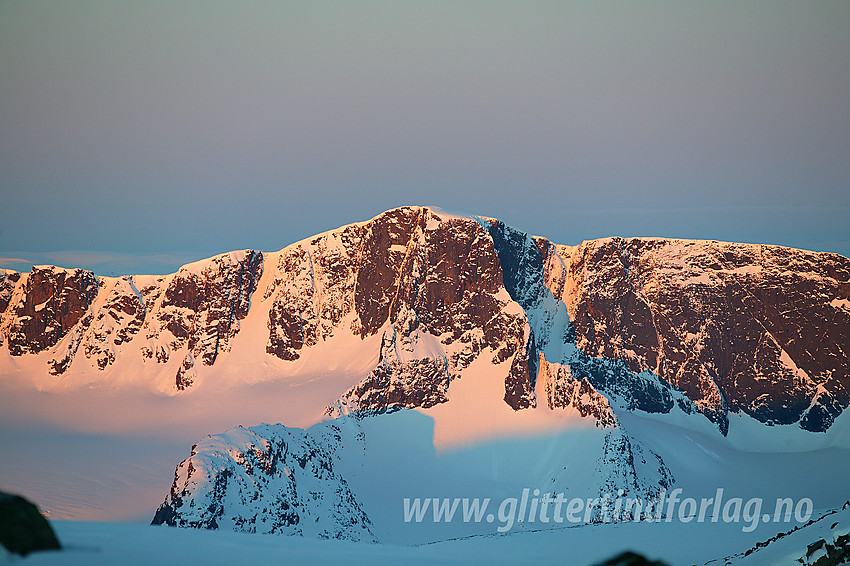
(643, 324)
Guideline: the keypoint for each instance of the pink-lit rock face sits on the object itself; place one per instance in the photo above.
(200, 308)
(50, 303)
(8, 279)
(117, 321)
(648, 324)
(414, 274)
(194, 312)
(742, 328)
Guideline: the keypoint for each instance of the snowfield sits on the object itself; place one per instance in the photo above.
(89, 543)
(419, 355)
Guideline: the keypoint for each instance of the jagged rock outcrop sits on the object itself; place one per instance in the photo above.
(431, 282)
(651, 324)
(312, 291)
(537, 277)
(733, 327)
(631, 471)
(47, 304)
(828, 553)
(192, 314)
(396, 385)
(199, 309)
(8, 279)
(117, 321)
(821, 541)
(563, 391)
(325, 481)
(266, 479)
(522, 270)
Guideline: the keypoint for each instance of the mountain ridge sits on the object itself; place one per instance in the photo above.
(700, 321)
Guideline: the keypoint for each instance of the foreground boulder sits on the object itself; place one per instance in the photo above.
(631, 559)
(23, 529)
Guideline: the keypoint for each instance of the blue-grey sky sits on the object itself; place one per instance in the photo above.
(155, 132)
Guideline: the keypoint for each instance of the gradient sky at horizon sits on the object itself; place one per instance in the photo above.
(135, 136)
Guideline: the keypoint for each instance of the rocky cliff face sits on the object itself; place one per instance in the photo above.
(738, 328)
(590, 332)
(197, 311)
(429, 282)
(266, 479)
(628, 324)
(537, 276)
(45, 305)
(563, 390)
(8, 279)
(190, 315)
(116, 322)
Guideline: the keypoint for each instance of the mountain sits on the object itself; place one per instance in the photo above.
(346, 478)
(428, 354)
(649, 323)
(268, 480)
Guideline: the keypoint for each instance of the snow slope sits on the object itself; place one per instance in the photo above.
(455, 356)
(113, 543)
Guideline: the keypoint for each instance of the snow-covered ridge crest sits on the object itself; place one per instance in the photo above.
(415, 295)
(79, 326)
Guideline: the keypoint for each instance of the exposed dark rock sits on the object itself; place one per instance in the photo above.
(417, 383)
(385, 254)
(521, 261)
(714, 327)
(563, 391)
(52, 302)
(300, 315)
(822, 552)
(266, 479)
(630, 470)
(117, 321)
(413, 271)
(519, 384)
(8, 279)
(629, 558)
(185, 374)
(201, 308)
(23, 529)
(738, 327)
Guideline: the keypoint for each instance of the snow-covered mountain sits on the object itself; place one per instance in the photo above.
(733, 328)
(526, 363)
(266, 479)
(346, 478)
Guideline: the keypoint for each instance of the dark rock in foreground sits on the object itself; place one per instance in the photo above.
(23, 529)
(631, 559)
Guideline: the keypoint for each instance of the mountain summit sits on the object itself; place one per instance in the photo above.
(419, 295)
